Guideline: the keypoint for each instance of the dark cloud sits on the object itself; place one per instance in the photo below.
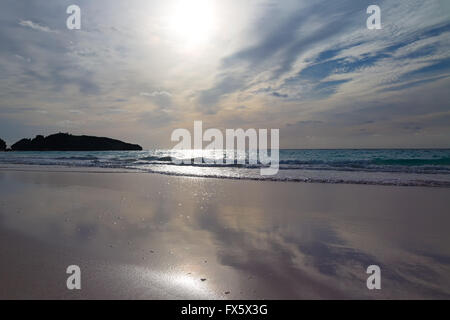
(412, 84)
(279, 95)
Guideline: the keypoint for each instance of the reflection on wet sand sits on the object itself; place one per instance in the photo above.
(140, 235)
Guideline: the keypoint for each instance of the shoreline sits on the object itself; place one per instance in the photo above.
(88, 169)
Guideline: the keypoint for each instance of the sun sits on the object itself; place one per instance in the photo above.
(192, 22)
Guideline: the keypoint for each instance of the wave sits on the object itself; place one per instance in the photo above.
(388, 167)
(413, 162)
(314, 177)
(377, 165)
(156, 158)
(377, 161)
(422, 166)
(77, 158)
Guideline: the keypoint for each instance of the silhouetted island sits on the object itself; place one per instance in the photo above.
(68, 142)
(2, 145)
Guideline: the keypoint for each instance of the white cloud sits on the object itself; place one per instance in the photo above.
(156, 94)
(35, 26)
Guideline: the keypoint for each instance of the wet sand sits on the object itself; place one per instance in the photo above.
(150, 236)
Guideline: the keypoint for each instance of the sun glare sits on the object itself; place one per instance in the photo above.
(192, 22)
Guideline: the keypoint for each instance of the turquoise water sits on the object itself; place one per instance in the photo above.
(427, 167)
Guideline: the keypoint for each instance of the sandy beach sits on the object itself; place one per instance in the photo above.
(150, 236)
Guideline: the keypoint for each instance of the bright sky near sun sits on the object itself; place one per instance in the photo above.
(192, 22)
(138, 69)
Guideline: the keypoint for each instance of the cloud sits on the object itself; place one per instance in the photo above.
(208, 99)
(156, 94)
(310, 51)
(163, 99)
(279, 45)
(286, 62)
(156, 118)
(36, 26)
(305, 123)
(279, 95)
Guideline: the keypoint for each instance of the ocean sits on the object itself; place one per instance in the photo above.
(405, 167)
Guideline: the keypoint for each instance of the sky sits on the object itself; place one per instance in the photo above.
(138, 69)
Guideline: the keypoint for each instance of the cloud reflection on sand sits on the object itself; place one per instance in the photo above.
(257, 240)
